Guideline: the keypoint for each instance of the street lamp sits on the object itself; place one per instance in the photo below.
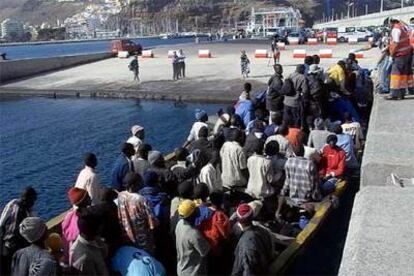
(349, 6)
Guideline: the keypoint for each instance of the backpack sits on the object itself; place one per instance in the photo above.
(288, 89)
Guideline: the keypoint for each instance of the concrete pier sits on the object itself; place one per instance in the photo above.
(214, 79)
(380, 236)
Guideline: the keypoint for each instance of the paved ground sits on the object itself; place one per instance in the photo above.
(380, 240)
(217, 78)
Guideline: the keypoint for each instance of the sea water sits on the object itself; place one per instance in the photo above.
(42, 140)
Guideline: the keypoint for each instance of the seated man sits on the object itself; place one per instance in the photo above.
(347, 144)
(332, 165)
(354, 129)
(301, 183)
(34, 259)
(255, 251)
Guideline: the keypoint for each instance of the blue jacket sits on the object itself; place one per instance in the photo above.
(245, 109)
(121, 167)
(346, 142)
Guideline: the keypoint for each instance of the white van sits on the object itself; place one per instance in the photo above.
(361, 34)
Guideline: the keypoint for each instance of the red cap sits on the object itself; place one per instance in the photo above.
(244, 212)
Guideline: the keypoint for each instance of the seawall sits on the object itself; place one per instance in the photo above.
(373, 19)
(16, 69)
(379, 240)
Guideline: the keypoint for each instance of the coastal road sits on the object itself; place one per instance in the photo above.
(214, 79)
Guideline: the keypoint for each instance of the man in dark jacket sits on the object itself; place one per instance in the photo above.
(316, 91)
(122, 166)
(296, 105)
(202, 143)
(274, 99)
(255, 140)
(167, 179)
(255, 250)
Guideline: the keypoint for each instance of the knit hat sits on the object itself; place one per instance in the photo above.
(186, 208)
(319, 123)
(76, 195)
(199, 113)
(135, 129)
(32, 229)
(150, 178)
(153, 156)
(244, 213)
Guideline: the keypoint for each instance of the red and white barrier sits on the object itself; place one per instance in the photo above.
(325, 53)
(299, 53)
(357, 54)
(147, 54)
(281, 45)
(171, 53)
(312, 41)
(331, 41)
(293, 40)
(204, 54)
(123, 54)
(352, 40)
(260, 53)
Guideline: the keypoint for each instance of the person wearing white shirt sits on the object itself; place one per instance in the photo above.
(89, 180)
(202, 118)
(354, 129)
(259, 167)
(234, 165)
(211, 175)
(137, 138)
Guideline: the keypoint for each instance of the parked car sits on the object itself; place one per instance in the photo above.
(125, 45)
(302, 38)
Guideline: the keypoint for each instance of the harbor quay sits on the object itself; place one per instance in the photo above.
(207, 79)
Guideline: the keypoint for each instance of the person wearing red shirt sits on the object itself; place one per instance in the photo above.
(332, 164)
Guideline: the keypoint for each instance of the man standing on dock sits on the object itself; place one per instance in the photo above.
(401, 52)
(134, 67)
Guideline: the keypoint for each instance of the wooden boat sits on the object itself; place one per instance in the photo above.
(295, 245)
(292, 246)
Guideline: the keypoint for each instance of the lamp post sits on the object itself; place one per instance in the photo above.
(382, 6)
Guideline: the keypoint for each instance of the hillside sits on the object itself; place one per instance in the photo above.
(38, 11)
(202, 15)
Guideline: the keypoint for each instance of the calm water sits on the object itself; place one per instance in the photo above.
(42, 141)
(73, 48)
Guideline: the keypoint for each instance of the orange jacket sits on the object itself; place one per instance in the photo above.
(402, 48)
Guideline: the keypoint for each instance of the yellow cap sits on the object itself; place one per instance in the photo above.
(186, 208)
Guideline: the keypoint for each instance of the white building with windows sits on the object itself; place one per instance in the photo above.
(266, 19)
(11, 27)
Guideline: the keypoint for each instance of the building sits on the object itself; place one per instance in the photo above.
(10, 27)
(270, 19)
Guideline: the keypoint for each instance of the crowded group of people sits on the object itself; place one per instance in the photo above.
(214, 207)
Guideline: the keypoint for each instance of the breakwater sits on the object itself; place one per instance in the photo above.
(16, 69)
